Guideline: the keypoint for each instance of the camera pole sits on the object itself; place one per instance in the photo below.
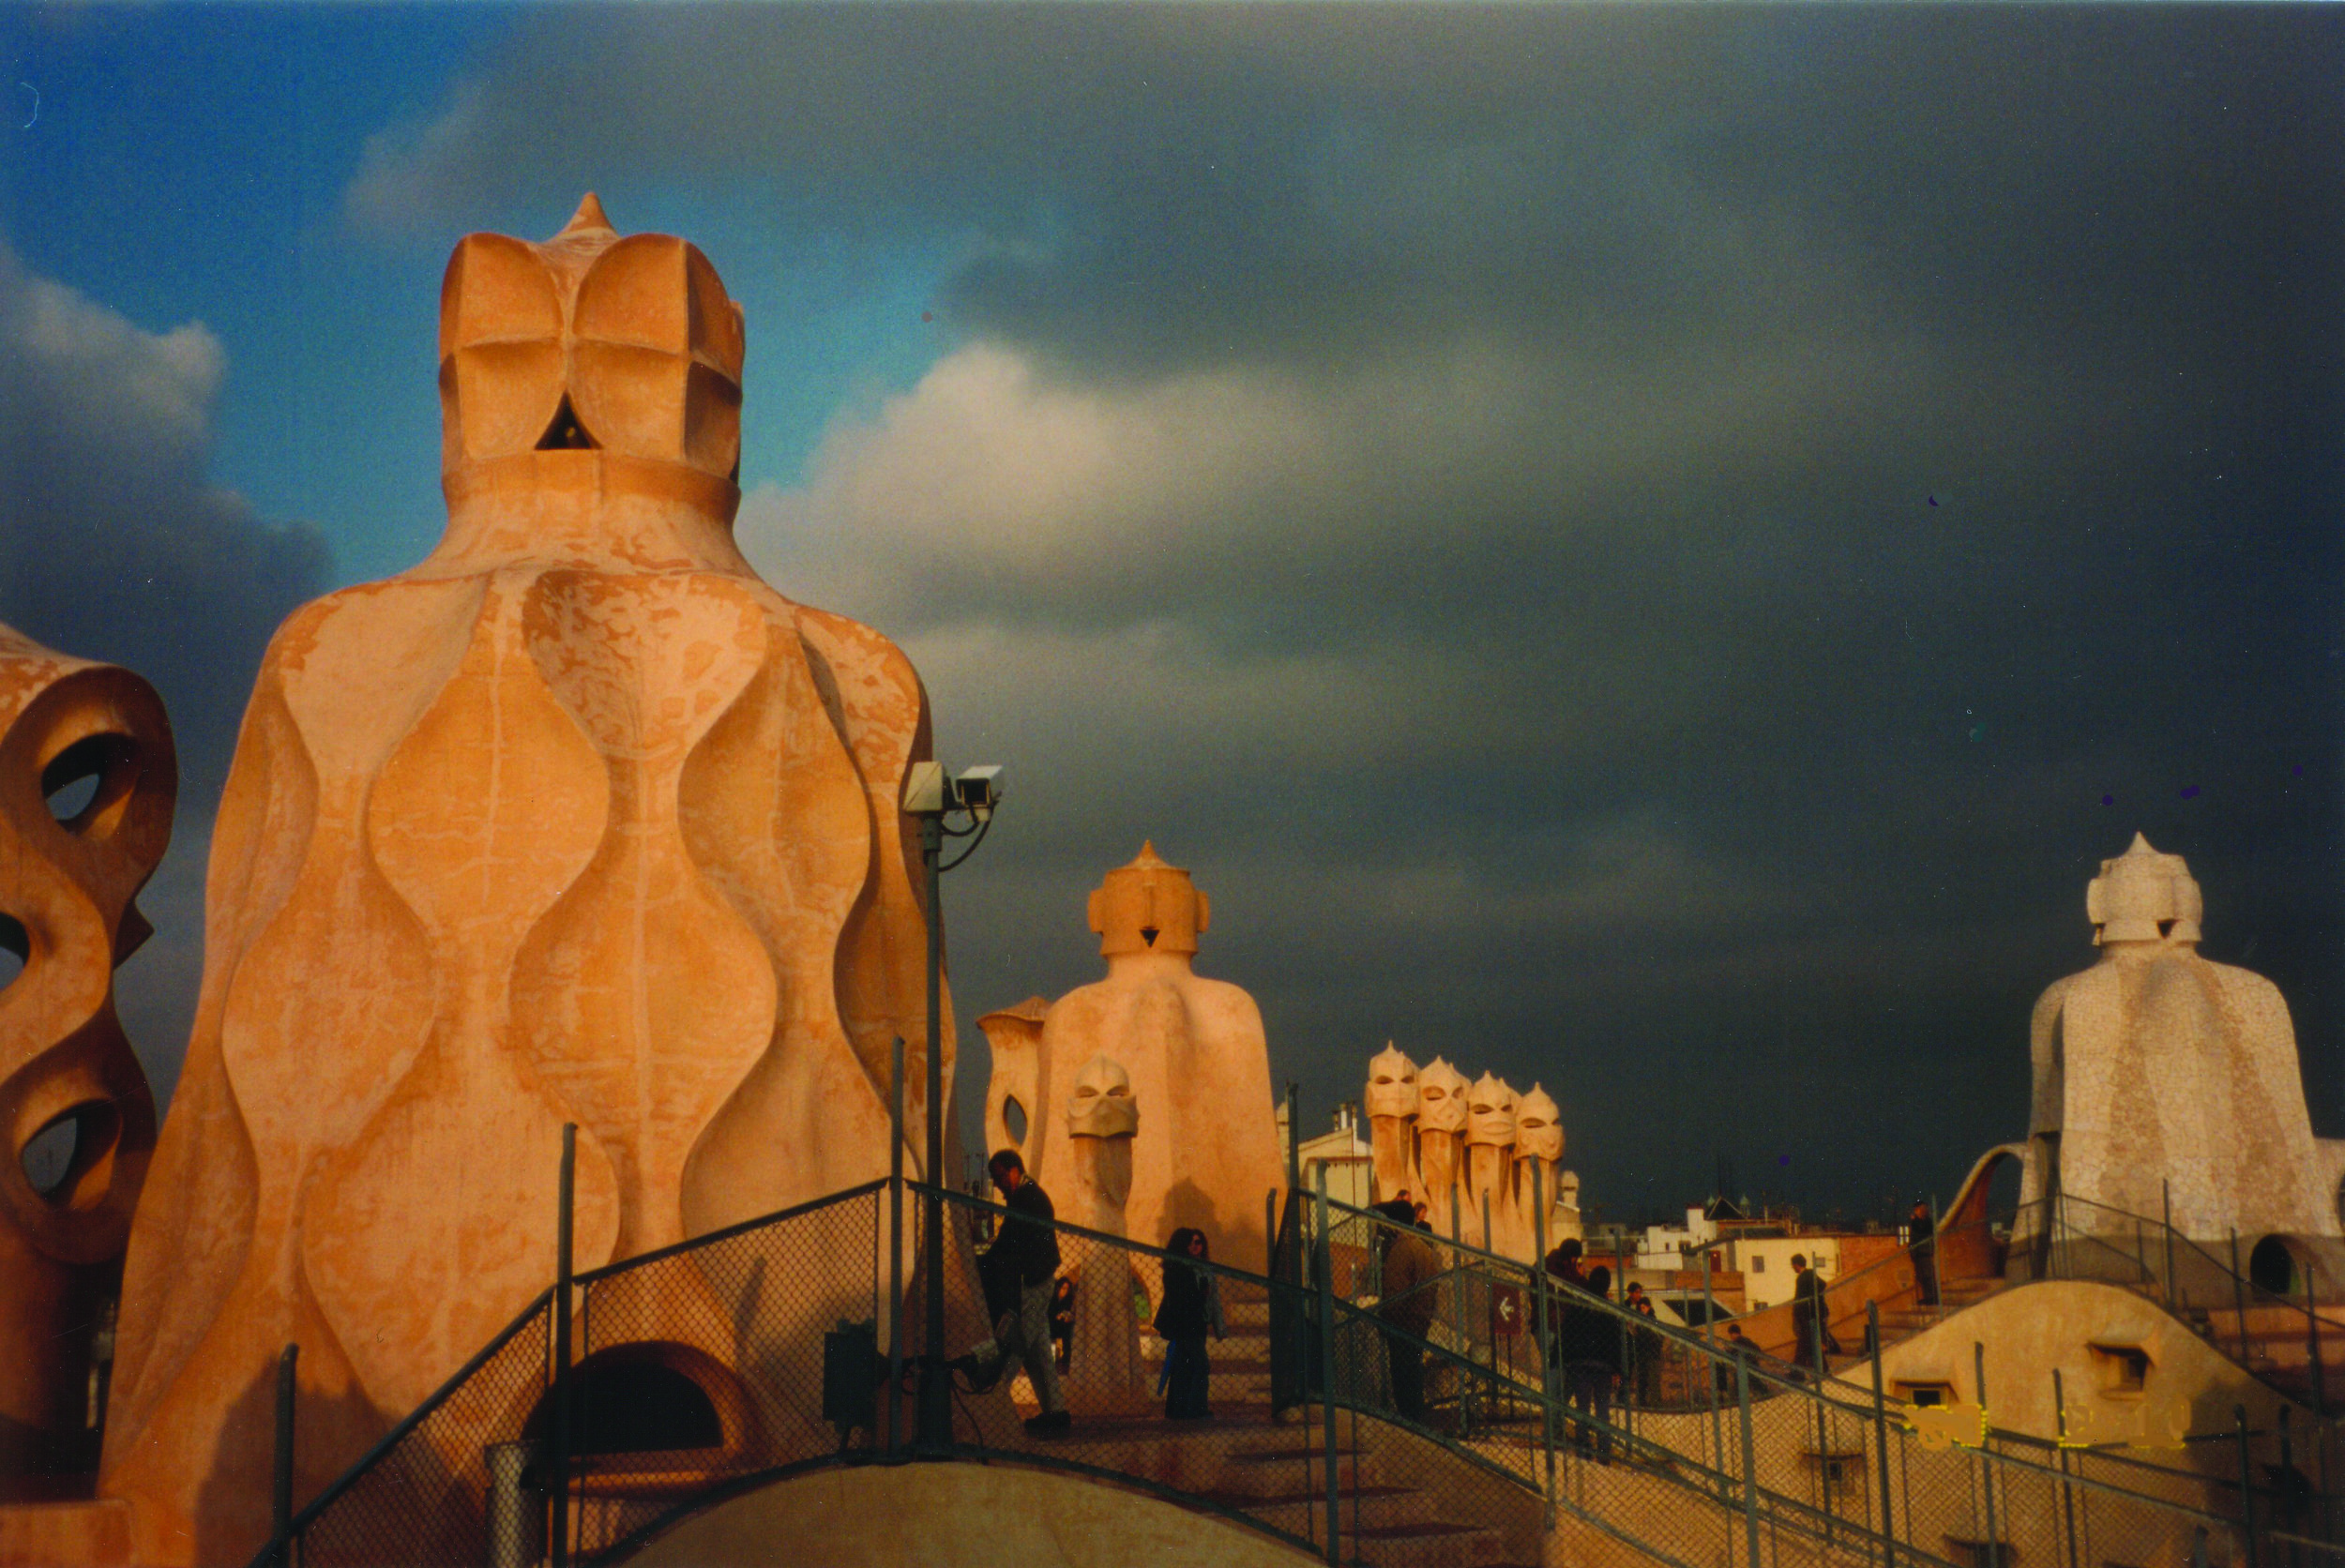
(936, 1393)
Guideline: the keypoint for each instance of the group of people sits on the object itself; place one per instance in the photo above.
(1590, 1348)
(1586, 1344)
(1032, 1309)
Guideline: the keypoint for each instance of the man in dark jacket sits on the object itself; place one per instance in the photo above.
(1405, 1301)
(1591, 1356)
(1922, 1235)
(1811, 1324)
(1024, 1257)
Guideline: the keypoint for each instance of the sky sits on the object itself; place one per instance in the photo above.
(1650, 549)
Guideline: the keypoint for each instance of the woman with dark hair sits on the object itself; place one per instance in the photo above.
(1191, 1308)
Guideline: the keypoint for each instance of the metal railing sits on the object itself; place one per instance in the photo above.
(1828, 1467)
(777, 1346)
(2284, 1339)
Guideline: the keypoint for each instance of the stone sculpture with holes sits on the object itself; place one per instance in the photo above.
(88, 780)
(577, 819)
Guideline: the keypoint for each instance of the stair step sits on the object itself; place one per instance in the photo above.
(1430, 1531)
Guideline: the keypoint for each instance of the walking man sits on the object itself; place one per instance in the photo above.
(1026, 1254)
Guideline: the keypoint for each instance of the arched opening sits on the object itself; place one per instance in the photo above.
(2272, 1268)
(16, 949)
(85, 780)
(1014, 1118)
(642, 1399)
(68, 1161)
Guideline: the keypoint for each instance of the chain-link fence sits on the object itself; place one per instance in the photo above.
(2258, 1305)
(421, 1495)
(1381, 1395)
(1838, 1469)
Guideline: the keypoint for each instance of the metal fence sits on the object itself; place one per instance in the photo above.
(1715, 1454)
(785, 1344)
(2284, 1336)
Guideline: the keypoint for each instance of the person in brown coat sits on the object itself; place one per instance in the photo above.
(1404, 1300)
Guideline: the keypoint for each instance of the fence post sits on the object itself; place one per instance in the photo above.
(1270, 1234)
(2312, 1349)
(2068, 1493)
(2166, 1197)
(1750, 1459)
(1710, 1370)
(2320, 1387)
(1458, 1301)
(1294, 1140)
(1880, 1437)
(2239, 1296)
(558, 1534)
(2246, 1485)
(281, 1469)
(1547, 1377)
(1490, 1298)
(1327, 1367)
(896, 1252)
(1986, 1455)
(1823, 1434)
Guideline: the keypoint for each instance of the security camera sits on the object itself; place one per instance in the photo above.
(976, 790)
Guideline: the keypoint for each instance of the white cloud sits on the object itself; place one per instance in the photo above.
(116, 545)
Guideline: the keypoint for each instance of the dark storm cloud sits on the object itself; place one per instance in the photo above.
(1625, 545)
(115, 545)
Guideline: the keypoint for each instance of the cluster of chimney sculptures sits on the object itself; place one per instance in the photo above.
(1481, 1160)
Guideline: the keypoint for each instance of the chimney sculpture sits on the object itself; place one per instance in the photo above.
(1491, 1132)
(1392, 1124)
(88, 778)
(1537, 1170)
(1441, 1124)
(1105, 1373)
(577, 819)
(2159, 1073)
(1195, 1047)
(1013, 1087)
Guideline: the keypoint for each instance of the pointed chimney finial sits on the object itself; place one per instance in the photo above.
(588, 215)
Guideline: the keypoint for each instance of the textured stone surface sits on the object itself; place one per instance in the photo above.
(959, 1517)
(88, 777)
(1014, 1038)
(1207, 1151)
(575, 821)
(2157, 1065)
(64, 1535)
